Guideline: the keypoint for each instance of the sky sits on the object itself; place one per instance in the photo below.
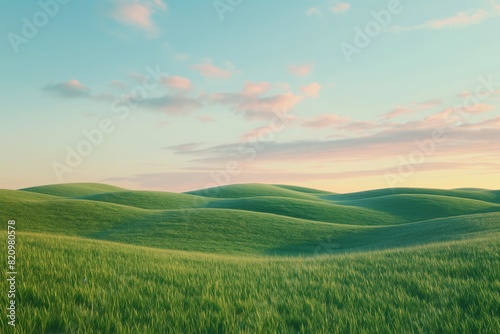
(175, 95)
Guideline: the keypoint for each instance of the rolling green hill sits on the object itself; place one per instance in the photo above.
(308, 209)
(478, 194)
(274, 220)
(148, 199)
(255, 190)
(422, 207)
(254, 259)
(73, 189)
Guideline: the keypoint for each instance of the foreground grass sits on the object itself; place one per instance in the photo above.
(440, 288)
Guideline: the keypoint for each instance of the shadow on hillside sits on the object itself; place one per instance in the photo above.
(406, 235)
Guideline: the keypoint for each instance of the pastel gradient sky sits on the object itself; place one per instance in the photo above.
(180, 95)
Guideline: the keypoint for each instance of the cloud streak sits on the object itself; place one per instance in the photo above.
(255, 103)
(459, 20)
(69, 89)
(209, 70)
(301, 70)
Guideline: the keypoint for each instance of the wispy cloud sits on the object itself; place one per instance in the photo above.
(313, 11)
(177, 104)
(324, 121)
(256, 88)
(118, 84)
(428, 104)
(397, 112)
(254, 103)
(301, 69)
(197, 178)
(177, 83)
(340, 7)
(311, 90)
(254, 133)
(69, 89)
(185, 147)
(138, 13)
(460, 141)
(209, 70)
(459, 20)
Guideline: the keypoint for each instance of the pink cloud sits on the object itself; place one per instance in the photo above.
(208, 70)
(253, 102)
(416, 106)
(177, 83)
(489, 123)
(138, 13)
(428, 104)
(464, 94)
(75, 84)
(256, 88)
(493, 122)
(341, 7)
(475, 109)
(69, 89)
(255, 133)
(301, 70)
(311, 90)
(397, 112)
(478, 108)
(280, 102)
(359, 126)
(460, 20)
(327, 120)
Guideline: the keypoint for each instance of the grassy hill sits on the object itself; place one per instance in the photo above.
(256, 190)
(422, 207)
(478, 194)
(73, 189)
(308, 209)
(148, 199)
(255, 258)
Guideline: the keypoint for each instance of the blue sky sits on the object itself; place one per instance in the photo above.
(224, 73)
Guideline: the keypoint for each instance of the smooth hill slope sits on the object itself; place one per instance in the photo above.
(73, 189)
(405, 235)
(308, 209)
(252, 190)
(149, 199)
(260, 225)
(304, 190)
(413, 208)
(477, 194)
(202, 229)
(8, 196)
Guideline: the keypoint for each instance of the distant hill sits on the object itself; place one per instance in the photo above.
(254, 218)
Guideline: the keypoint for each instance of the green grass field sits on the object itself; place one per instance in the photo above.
(253, 259)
